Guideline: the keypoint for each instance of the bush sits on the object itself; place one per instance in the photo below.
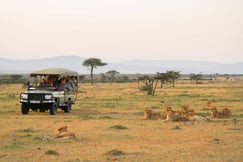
(51, 152)
(115, 152)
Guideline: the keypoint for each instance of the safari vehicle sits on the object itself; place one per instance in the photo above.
(50, 89)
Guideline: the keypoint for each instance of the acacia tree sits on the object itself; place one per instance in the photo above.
(163, 77)
(196, 77)
(112, 74)
(93, 63)
(173, 76)
(150, 84)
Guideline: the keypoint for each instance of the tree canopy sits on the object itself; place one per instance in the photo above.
(93, 63)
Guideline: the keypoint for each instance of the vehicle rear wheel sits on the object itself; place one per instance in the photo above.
(68, 108)
(53, 108)
(24, 109)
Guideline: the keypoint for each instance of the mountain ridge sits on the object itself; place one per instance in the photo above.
(124, 67)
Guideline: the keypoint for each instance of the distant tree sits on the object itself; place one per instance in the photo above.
(123, 78)
(163, 77)
(81, 78)
(150, 84)
(112, 74)
(15, 77)
(103, 77)
(196, 77)
(142, 78)
(172, 76)
(93, 63)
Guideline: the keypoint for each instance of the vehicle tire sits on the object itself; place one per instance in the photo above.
(24, 109)
(53, 108)
(68, 108)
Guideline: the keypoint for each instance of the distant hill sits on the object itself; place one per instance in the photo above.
(10, 66)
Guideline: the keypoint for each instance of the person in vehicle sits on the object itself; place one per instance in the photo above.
(68, 86)
(73, 83)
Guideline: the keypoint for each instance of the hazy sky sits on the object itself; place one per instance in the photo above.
(114, 30)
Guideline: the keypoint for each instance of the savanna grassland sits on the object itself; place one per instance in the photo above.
(107, 123)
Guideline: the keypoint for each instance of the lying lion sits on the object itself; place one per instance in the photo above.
(174, 115)
(63, 133)
(187, 112)
(149, 115)
(225, 113)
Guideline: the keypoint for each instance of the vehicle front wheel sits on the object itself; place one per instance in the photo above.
(53, 108)
(24, 109)
(68, 108)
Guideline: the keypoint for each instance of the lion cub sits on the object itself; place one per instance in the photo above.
(63, 133)
(225, 113)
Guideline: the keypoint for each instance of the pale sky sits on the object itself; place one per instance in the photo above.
(118, 30)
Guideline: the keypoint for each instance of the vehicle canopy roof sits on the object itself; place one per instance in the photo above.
(59, 72)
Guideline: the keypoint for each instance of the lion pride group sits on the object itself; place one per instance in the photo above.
(185, 114)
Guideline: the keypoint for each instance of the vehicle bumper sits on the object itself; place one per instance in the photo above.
(36, 101)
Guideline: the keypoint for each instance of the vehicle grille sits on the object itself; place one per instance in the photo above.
(36, 97)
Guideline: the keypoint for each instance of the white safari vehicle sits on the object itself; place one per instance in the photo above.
(50, 89)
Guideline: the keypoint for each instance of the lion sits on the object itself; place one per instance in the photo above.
(170, 109)
(214, 112)
(174, 116)
(148, 115)
(163, 115)
(63, 133)
(225, 113)
(187, 112)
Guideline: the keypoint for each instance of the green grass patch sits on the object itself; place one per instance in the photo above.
(202, 114)
(155, 107)
(139, 113)
(28, 130)
(186, 95)
(236, 129)
(105, 117)
(85, 117)
(51, 152)
(15, 144)
(205, 109)
(118, 127)
(176, 128)
(241, 115)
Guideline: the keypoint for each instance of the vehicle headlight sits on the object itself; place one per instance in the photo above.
(24, 96)
(48, 97)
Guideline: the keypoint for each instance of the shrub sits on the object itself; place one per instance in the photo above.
(115, 152)
(51, 152)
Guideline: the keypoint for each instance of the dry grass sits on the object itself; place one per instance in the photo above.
(106, 121)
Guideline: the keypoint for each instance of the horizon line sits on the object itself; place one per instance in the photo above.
(129, 60)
